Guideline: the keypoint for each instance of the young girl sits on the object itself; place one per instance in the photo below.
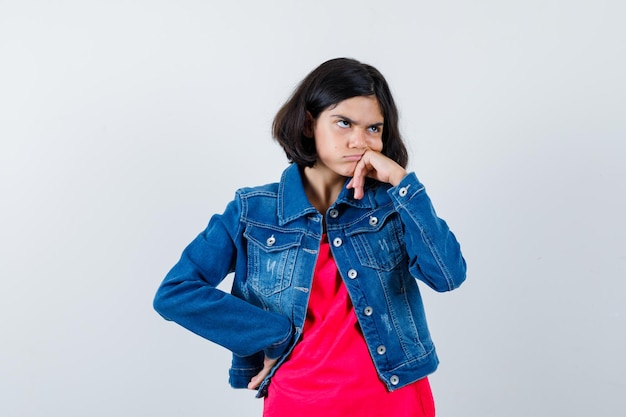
(325, 317)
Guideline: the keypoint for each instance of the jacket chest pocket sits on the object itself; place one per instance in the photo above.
(271, 258)
(378, 241)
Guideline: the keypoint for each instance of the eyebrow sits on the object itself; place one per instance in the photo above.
(347, 119)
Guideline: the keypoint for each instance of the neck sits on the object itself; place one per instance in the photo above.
(322, 188)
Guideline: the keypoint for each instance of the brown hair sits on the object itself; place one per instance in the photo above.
(327, 85)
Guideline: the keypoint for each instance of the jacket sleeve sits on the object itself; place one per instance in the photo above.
(434, 253)
(189, 297)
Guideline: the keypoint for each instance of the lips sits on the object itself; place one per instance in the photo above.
(353, 157)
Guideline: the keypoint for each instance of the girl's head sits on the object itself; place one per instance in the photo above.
(326, 86)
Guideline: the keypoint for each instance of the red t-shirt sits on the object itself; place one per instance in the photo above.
(330, 372)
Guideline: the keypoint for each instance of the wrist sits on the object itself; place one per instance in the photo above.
(397, 176)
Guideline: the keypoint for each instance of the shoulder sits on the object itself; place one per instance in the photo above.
(272, 189)
(267, 190)
(258, 204)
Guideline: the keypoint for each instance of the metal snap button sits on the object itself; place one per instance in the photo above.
(334, 213)
(373, 221)
(394, 380)
(403, 191)
(337, 242)
(368, 311)
(381, 350)
(270, 241)
(352, 273)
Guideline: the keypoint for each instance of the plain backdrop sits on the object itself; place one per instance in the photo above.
(125, 125)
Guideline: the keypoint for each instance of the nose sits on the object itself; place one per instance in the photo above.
(357, 139)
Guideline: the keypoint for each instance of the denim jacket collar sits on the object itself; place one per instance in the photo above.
(293, 202)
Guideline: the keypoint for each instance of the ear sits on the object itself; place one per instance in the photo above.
(309, 124)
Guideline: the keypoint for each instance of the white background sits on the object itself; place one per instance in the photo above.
(125, 124)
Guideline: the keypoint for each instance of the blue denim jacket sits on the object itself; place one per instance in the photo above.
(269, 237)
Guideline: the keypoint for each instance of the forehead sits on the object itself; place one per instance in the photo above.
(366, 107)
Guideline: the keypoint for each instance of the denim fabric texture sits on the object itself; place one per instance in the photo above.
(269, 237)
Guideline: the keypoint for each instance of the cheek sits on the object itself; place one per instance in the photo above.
(377, 145)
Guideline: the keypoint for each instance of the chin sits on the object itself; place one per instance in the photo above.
(345, 173)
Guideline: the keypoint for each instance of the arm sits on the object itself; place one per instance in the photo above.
(189, 297)
(434, 253)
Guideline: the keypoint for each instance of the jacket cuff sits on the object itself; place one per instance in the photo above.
(239, 378)
(406, 189)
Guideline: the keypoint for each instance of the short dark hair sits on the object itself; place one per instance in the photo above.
(327, 85)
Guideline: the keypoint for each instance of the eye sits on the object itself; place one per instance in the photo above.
(374, 129)
(343, 123)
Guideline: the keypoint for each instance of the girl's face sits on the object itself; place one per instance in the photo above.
(344, 132)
